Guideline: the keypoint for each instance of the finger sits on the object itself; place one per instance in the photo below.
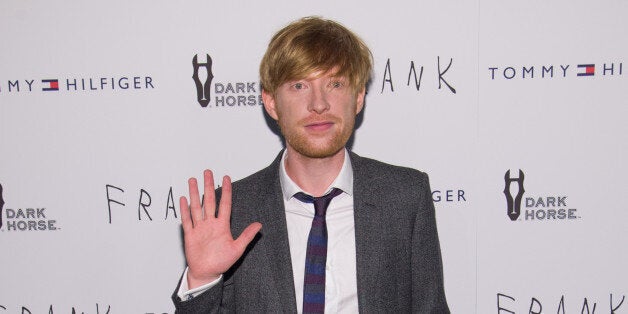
(186, 219)
(209, 194)
(224, 211)
(247, 235)
(195, 203)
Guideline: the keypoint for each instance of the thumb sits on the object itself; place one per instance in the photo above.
(247, 235)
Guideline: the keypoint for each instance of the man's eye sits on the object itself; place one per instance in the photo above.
(298, 86)
(336, 84)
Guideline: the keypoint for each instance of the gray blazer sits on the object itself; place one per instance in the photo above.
(399, 267)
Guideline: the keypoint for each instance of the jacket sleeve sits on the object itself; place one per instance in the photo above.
(428, 293)
(217, 299)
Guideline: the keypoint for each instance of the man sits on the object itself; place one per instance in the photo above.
(373, 249)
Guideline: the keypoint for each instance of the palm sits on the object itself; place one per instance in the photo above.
(210, 249)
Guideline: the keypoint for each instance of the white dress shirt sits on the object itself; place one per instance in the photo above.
(340, 275)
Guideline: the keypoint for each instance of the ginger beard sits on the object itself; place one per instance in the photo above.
(317, 145)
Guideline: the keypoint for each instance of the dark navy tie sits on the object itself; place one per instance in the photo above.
(316, 255)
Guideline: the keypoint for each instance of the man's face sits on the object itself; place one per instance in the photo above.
(316, 114)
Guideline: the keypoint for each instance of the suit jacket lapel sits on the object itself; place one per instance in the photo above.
(367, 215)
(276, 233)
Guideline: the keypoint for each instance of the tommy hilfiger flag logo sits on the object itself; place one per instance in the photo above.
(52, 85)
(589, 69)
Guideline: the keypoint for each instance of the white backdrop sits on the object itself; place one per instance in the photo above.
(100, 129)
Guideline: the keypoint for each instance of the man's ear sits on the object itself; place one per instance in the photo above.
(360, 100)
(269, 104)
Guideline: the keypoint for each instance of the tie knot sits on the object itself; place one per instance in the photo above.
(320, 203)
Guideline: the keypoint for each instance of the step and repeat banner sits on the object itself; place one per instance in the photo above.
(516, 109)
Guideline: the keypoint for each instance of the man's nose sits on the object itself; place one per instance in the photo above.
(318, 101)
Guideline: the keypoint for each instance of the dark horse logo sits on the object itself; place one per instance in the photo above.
(513, 203)
(202, 79)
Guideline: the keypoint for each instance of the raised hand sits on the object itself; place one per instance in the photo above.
(210, 249)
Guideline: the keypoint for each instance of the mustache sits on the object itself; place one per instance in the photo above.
(316, 118)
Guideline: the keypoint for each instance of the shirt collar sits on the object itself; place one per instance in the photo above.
(343, 181)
